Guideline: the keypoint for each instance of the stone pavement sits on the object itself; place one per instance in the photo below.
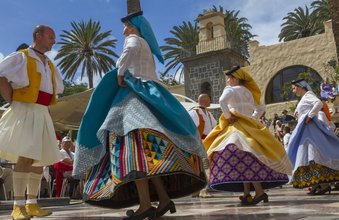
(286, 203)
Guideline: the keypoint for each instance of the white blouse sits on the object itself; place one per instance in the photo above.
(137, 58)
(14, 68)
(239, 99)
(309, 105)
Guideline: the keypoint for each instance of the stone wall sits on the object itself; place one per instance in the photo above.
(267, 61)
(209, 67)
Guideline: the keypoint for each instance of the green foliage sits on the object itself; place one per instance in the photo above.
(71, 88)
(86, 48)
(287, 94)
(170, 81)
(181, 45)
(186, 37)
(301, 23)
(237, 29)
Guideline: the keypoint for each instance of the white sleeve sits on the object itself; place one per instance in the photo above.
(224, 100)
(194, 117)
(131, 48)
(63, 155)
(316, 103)
(258, 111)
(59, 84)
(14, 69)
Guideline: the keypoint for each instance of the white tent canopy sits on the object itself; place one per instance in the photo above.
(69, 110)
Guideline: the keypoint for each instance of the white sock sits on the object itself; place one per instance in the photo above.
(31, 201)
(20, 180)
(33, 185)
(19, 202)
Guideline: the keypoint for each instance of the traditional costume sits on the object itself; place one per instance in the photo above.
(244, 151)
(313, 148)
(26, 126)
(139, 131)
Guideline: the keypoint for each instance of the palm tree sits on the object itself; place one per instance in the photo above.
(299, 24)
(321, 9)
(87, 48)
(333, 8)
(182, 45)
(237, 30)
(186, 37)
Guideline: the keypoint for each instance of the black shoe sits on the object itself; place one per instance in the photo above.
(323, 191)
(314, 190)
(246, 200)
(149, 213)
(263, 197)
(170, 206)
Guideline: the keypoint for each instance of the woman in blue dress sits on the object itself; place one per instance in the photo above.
(313, 147)
(134, 131)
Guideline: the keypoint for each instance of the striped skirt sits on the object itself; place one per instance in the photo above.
(142, 153)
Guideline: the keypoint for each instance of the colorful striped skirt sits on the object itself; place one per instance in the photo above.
(314, 174)
(231, 167)
(142, 153)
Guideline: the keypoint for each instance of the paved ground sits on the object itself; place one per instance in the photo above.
(285, 203)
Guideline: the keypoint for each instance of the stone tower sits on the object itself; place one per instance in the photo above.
(204, 71)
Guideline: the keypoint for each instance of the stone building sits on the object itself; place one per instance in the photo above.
(204, 71)
(271, 66)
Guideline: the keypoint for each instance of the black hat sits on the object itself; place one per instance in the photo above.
(133, 10)
(296, 81)
(235, 68)
(22, 47)
(130, 16)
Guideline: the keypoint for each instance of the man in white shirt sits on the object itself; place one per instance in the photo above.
(202, 118)
(205, 122)
(64, 168)
(29, 82)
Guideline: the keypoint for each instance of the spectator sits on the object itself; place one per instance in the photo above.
(286, 117)
(278, 131)
(287, 135)
(327, 89)
(264, 120)
(65, 166)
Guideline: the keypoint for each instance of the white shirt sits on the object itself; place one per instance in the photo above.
(210, 121)
(137, 58)
(65, 155)
(239, 99)
(286, 139)
(309, 105)
(14, 68)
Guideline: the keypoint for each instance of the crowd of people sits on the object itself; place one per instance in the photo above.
(138, 144)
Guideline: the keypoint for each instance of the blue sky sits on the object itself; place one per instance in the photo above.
(18, 17)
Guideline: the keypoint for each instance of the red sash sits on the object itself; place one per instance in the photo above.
(44, 98)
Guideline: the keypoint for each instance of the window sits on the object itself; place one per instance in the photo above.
(206, 88)
(275, 86)
(209, 28)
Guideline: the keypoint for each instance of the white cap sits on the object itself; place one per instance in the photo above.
(66, 138)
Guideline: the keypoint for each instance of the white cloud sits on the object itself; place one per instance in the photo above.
(52, 54)
(265, 16)
(1, 57)
(96, 80)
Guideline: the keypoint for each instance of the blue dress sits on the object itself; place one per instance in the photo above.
(139, 131)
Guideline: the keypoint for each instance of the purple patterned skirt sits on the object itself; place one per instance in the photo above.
(232, 167)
